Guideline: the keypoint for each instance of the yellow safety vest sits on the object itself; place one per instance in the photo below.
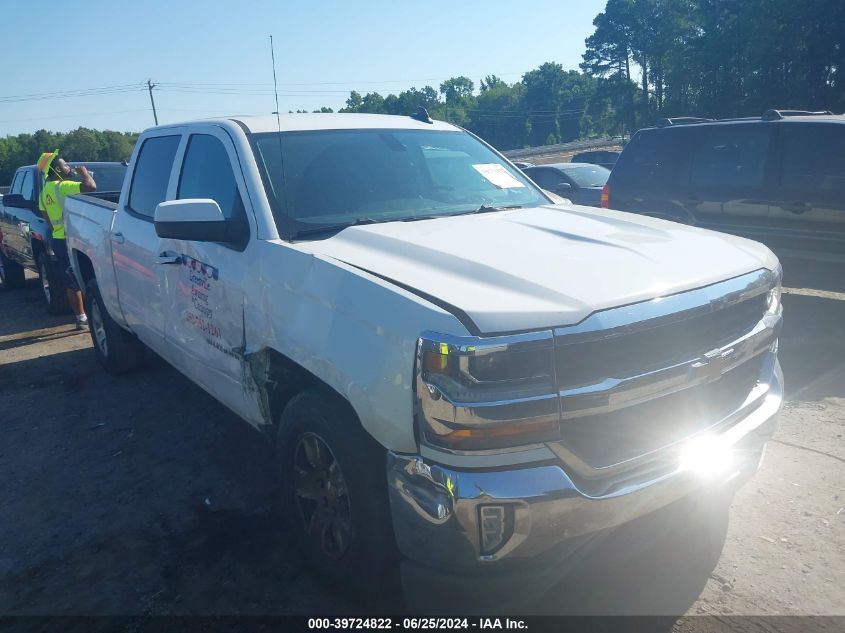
(52, 200)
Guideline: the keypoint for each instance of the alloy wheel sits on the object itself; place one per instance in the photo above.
(322, 496)
(99, 329)
(45, 281)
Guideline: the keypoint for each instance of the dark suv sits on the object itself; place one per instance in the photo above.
(778, 179)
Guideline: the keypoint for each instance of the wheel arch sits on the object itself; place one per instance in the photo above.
(279, 379)
(84, 267)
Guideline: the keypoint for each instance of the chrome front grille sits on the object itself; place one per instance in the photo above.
(623, 434)
(637, 379)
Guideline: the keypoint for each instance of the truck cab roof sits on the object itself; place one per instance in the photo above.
(323, 121)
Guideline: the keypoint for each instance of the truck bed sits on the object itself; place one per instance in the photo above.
(88, 223)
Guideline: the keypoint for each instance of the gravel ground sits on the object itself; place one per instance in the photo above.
(142, 495)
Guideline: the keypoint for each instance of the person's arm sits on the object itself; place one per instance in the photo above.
(87, 185)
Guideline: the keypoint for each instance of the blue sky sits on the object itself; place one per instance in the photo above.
(213, 57)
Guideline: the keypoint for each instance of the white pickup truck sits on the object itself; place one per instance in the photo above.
(455, 368)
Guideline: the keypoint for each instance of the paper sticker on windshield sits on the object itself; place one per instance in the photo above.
(498, 175)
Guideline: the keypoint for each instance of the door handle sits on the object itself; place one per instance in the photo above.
(118, 238)
(168, 258)
(796, 207)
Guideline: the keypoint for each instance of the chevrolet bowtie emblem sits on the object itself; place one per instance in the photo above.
(712, 365)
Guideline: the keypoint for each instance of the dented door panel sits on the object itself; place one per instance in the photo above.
(352, 330)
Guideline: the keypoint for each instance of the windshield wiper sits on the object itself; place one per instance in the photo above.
(486, 208)
(330, 228)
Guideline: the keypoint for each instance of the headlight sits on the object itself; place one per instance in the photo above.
(775, 293)
(774, 300)
(482, 393)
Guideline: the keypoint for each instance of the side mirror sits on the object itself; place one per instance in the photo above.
(563, 188)
(556, 199)
(198, 220)
(17, 201)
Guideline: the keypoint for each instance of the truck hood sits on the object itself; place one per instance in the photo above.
(542, 267)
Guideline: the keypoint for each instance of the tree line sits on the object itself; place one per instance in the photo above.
(82, 144)
(717, 58)
(652, 59)
(645, 60)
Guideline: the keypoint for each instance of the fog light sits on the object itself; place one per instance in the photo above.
(495, 526)
(707, 457)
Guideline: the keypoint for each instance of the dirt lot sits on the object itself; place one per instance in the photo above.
(142, 495)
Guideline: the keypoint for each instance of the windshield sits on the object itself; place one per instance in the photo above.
(334, 178)
(108, 178)
(588, 176)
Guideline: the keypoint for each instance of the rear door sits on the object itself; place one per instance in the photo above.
(19, 239)
(730, 178)
(134, 240)
(204, 287)
(808, 212)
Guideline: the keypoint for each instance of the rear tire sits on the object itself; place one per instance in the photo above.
(334, 491)
(117, 350)
(11, 273)
(53, 287)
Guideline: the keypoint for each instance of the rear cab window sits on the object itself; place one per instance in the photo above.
(152, 175)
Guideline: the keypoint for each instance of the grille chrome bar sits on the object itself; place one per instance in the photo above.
(615, 393)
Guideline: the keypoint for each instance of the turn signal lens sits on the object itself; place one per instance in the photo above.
(523, 432)
(605, 197)
(437, 360)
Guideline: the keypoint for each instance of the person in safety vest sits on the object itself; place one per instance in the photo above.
(51, 203)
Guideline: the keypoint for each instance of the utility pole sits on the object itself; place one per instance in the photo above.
(150, 86)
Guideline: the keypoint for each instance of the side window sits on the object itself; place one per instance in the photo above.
(152, 173)
(207, 173)
(28, 186)
(546, 178)
(17, 183)
(813, 158)
(731, 156)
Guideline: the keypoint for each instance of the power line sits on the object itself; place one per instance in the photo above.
(71, 116)
(66, 94)
(327, 83)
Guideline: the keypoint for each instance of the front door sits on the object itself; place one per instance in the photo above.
(204, 284)
(808, 215)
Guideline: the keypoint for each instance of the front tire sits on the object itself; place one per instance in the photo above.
(11, 273)
(53, 286)
(334, 490)
(117, 350)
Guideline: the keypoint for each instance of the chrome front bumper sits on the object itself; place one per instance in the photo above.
(435, 508)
